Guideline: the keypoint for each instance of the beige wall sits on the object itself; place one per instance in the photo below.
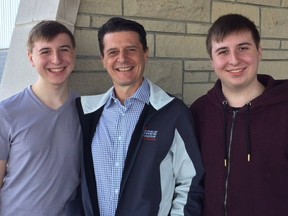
(176, 37)
(176, 34)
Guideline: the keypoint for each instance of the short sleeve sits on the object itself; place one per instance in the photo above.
(5, 133)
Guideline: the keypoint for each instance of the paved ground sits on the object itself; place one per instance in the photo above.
(3, 55)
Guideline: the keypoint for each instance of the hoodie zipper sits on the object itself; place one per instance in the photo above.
(228, 160)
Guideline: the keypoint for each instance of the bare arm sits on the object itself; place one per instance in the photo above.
(2, 171)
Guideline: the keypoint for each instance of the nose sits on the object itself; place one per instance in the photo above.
(56, 58)
(234, 58)
(122, 56)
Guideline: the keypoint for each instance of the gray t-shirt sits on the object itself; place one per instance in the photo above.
(42, 148)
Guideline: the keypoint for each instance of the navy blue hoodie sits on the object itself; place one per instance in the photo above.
(259, 131)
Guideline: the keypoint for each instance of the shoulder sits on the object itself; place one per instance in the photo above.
(177, 109)
(91, 103)
(14, 100)
(199, 103)
(179, 104)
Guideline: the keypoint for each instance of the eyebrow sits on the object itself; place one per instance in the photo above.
(245, 43)
(111, 49)
(66, 46)
(48, 48)
(241, 44)
(128, 47)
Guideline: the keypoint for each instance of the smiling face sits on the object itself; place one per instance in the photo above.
(235, 60)
(125, 59)
(54, 60)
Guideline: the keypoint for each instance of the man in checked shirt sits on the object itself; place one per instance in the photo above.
(141, 157)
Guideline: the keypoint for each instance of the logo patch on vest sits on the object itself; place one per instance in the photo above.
(150, 135)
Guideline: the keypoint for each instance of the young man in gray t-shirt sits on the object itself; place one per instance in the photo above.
(40, 138)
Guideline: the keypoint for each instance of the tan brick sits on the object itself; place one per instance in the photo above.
(270, 44)
(87, 43)
(162, 26)
(167, 74)
(262, 2)
(150, 43)
(197, 65)
(194, 91)
(284, 3)
(82, 20)
(190, 10)
(98, 21)
(101, 6)
(275, 54)
(213, 77)
(284, 44)
(277, 69)
(196, 28)
(274, 22)
(89, 65)
(180, 46)
(90, 83)
(193, 77)
(221, 8)
(149, 25)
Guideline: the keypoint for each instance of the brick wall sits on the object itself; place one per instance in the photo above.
(176, 37)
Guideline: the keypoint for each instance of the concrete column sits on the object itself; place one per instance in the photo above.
(18, 73)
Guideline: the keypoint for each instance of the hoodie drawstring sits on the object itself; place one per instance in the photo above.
(225, 103)
(248, 137)
(248, 132)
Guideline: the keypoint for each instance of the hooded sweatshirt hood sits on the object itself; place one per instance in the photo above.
(272, 94)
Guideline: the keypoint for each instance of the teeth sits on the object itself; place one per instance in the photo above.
(235, 71)
(125, 68)
(56, 69)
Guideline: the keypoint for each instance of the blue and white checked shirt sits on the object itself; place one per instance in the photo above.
(110, 144)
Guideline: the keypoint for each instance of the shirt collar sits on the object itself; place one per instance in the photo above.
(142, 94)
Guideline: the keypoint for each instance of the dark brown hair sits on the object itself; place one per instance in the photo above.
(47, 30)
(227, 24)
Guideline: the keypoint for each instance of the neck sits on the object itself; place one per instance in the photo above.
(240, 97)
(125, 92)
(52, 96)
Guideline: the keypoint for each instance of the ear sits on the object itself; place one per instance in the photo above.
(30, 57)
(260, 53)
(146, 54)
(103, 61)
(211, 62)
